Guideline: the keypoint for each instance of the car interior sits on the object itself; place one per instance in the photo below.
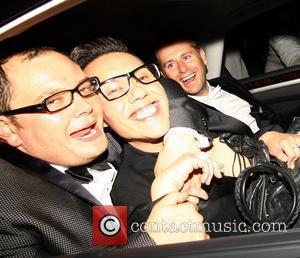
(224, 26)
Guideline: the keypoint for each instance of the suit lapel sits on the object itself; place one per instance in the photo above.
(231, 85)
(43, 170)
(221, 123)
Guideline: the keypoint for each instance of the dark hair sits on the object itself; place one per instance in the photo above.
(171, 36)
(5, 84)
(87, 52)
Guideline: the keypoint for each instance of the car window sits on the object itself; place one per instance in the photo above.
(269, 42)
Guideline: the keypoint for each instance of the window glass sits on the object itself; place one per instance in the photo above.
(267, 43)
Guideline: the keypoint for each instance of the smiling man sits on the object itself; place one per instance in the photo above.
(135, 107)
(50, 121)
(184, 61)
(140, 123)
(76, 129)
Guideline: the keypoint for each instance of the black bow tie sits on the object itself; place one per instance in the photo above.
(82, 174)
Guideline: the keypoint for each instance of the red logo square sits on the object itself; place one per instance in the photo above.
(110, 225)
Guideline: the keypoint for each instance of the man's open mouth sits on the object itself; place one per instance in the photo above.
(85, 133)
(146, 111)
(189, 78)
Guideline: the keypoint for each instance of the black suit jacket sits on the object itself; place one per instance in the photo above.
(43, 211)
(264, 115)
(187, 112)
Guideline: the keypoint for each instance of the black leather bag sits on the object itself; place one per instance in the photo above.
(267, 191)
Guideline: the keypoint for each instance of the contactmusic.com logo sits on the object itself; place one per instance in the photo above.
(109, 225)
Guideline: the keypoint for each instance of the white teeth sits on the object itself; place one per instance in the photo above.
(145, 112)
(91, 133)
(188, 77)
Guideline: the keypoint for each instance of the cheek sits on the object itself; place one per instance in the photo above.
(113, 115)
(45, 127)
(166, 113)
(171, 74)
(164, 103)
(38, 133)
(200, 65)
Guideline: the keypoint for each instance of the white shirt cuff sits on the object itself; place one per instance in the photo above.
(202, 140)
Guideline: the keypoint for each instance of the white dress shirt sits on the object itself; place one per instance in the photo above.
(101, 185)
(229, 104)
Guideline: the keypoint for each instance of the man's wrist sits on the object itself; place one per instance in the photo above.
(201, 140)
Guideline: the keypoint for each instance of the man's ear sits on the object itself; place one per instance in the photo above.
(8, 132)
(203, 55)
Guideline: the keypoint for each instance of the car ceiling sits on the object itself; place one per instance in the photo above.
(135, 21)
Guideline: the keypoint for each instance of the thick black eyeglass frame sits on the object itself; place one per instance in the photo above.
(42, 107)
(130, 75)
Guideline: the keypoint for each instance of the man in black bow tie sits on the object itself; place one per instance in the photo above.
(51, 121)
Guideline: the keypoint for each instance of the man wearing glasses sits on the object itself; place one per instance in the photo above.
(136, 108)
(49, 125)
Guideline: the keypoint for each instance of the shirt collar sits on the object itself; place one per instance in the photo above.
(213, 93)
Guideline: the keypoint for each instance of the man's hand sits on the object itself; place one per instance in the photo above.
(283, 146)
(187, 167)
(170, 218)
(178, 145)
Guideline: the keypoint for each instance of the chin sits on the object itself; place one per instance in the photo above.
(158, 132)
(93, 152)
(192, 91)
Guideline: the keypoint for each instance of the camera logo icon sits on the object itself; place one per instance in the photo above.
(109, 225)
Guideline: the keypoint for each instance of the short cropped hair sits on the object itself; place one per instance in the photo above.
(171, 36)
(5, 84)
(87, 52)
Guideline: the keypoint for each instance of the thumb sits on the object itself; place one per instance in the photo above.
(173, 198)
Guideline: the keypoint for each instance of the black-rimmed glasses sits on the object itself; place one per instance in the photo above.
(118, 86)
(59, 100)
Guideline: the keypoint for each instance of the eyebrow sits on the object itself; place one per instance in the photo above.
(48, 93)
(185, 53)
(172, 60)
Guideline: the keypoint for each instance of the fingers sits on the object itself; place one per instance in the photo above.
(174, 209)
(198, 193)
(289, 150)
(279, 154)
(193, 199)
(177, 174)
(210, 168)
(180, 170)
(173, 198)
(183, 199)
(283, 146)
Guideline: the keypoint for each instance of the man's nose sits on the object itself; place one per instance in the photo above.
(81, 105)
(137, 91)
(182, 67)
